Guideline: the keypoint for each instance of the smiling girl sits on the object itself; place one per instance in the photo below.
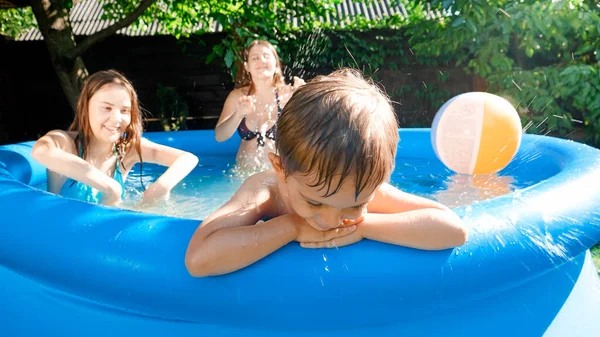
(253, 108)
(91, 160)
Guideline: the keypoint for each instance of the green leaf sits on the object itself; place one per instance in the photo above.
(229, 58)
(586, 90)
(472, 26)
(584, 49)
(459, 21)
(529, 51)
(218, 49)
(210, 57)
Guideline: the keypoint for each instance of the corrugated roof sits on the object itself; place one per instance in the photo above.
(86, 18)
(13, 4)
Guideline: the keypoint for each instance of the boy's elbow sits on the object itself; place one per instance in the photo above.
(462, 235)
(196, 265)
(457, 233)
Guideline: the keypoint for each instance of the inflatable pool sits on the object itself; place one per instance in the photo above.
(68, 268)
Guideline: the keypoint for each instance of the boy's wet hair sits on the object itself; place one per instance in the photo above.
(339, 126)
(131, 138)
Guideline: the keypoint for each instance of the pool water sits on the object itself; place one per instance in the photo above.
(215, 180)
(202, 192)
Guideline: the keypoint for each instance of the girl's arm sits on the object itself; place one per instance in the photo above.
(288, 90)
(230, 118)
(179, 163)
(230, 239)
(55, 151)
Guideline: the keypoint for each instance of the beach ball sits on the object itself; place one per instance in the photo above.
(476, 133)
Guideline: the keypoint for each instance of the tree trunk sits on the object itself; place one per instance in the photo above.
(517, 54)
(55, 25)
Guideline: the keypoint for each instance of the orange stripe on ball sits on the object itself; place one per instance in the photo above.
(500, 135)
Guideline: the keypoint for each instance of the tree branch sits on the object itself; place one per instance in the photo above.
(108, 31)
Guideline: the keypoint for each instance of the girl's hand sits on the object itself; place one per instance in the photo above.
(298, 82)
(112, 197)
(245, 105)
(288, 90)
(154, 193)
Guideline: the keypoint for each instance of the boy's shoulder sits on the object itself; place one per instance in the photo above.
(265, 180)
(261, 188)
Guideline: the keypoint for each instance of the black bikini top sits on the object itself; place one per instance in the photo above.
(247, 134)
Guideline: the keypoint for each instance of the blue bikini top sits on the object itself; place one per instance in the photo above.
(76, 190)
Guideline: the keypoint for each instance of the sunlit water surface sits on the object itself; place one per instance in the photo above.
(215, 180)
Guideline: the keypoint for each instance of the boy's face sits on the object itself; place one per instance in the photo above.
(326, 213)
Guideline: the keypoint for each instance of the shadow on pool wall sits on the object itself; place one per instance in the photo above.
(82, 269)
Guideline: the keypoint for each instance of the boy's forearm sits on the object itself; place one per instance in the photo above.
(231, 249)
(428, 229)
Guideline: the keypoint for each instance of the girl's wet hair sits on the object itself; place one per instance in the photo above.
(278, 79)
(131, 138)
(339, 126)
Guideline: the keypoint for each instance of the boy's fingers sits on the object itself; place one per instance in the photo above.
(333, 243)
(347, 222)
(338, 232)
(314, 244)
(344, 240)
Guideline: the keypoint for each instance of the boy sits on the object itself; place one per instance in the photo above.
(336, 148)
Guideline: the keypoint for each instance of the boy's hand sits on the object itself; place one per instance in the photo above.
(307, 235)
(337, 237)
(346, 240)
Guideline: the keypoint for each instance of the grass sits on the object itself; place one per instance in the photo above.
(596, 256)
